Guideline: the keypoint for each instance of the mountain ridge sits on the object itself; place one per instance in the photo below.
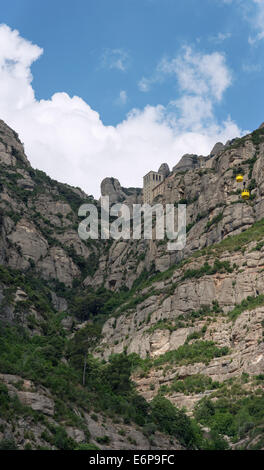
(185, 327)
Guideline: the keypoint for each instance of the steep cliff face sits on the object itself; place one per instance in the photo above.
(212, 291)
(186, 326)
(215, 210)
(48, 399)
(39, 217)
(223, 277)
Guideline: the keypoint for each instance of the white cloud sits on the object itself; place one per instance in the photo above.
(251, 68)
(196, 73)
(253, 12)
(194, 112)
(115, 59)
(258, 21)
(220, 37)
(144, 84)
(66, 138)
(16, 57)
(256, 18)
(122, 99)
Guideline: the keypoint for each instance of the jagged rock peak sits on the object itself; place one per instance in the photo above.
(164, 169)
(187, 162)
(112, 188)
(218, 147)
(11, 149)
(261, 126)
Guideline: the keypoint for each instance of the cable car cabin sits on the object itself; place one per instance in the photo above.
(245, 194)
(239, 178)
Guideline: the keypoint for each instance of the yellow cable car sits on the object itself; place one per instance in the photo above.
(239, 178)
(245, 194)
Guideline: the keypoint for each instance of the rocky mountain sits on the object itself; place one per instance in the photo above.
(122, 343)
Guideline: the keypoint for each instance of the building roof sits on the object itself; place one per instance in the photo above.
(152, 171)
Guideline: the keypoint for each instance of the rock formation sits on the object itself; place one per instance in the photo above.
(164, 169)
(117, 194)
(112, 188)
(185, 326)
(187, 162)
(218, 147)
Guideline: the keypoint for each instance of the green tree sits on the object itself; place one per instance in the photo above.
(173, 421)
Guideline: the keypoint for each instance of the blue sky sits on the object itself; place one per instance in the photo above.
(186, 66)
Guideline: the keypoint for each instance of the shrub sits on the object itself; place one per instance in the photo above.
(103, 440)
(86, 447)
(173, 421)
(247, 304)
(194, 384)
(206, 269)
(234, 417)
(214, 220)
(199, 351)
(8, 444)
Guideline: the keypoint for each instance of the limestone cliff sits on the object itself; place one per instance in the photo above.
(187, 325)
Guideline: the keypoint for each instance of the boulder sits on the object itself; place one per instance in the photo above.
(37, 402)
